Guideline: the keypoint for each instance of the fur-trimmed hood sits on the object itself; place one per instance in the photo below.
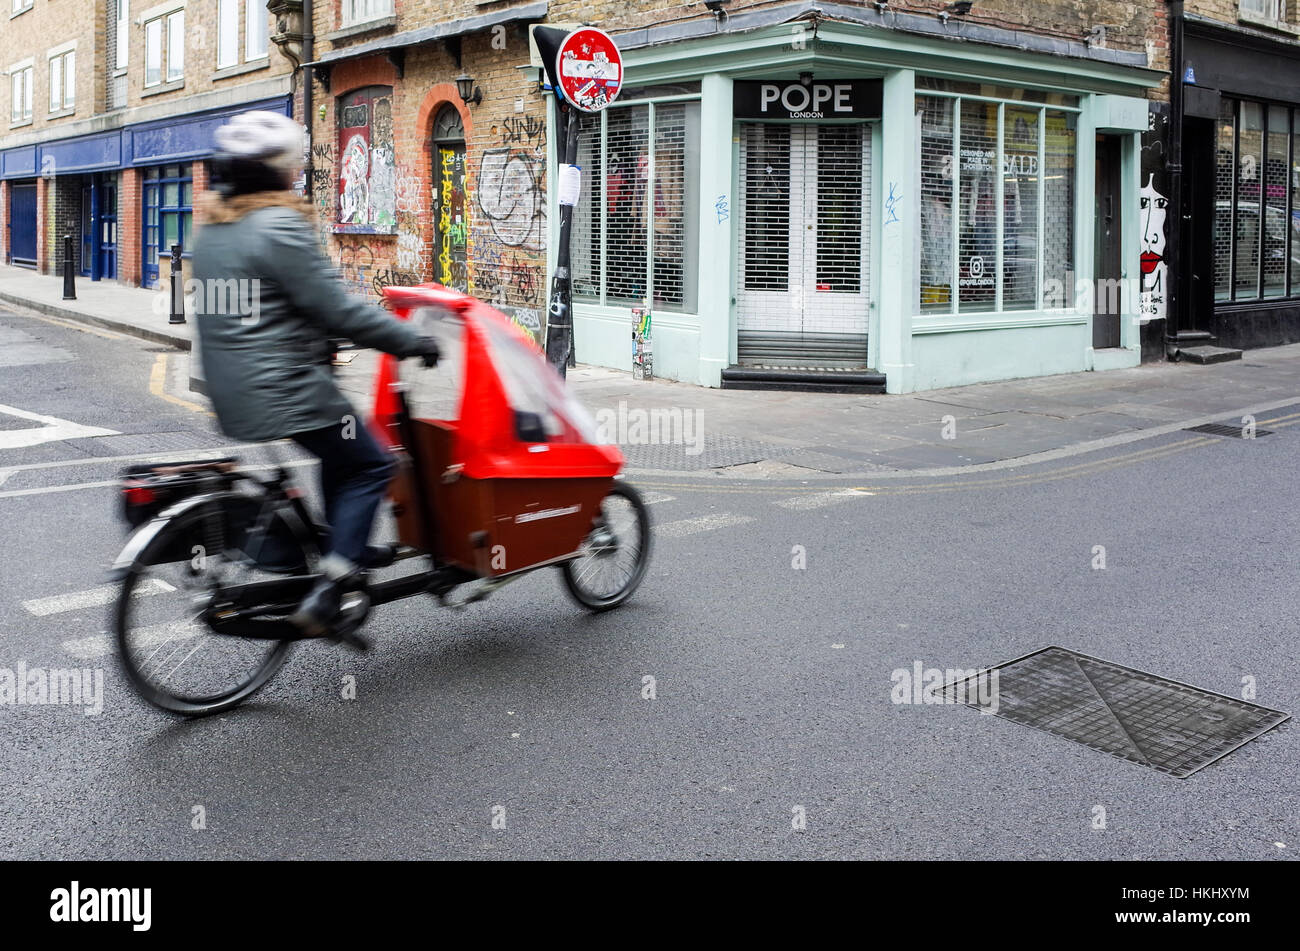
(213, 209)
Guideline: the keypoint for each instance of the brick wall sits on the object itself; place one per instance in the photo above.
(65, 220)
(128, 226)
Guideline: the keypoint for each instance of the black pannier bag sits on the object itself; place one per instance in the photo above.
(150, 488)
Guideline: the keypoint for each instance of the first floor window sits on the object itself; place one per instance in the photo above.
(361, 11)
(20, 94)
(1256, 233)
(997, 204)
(1263, 9)
(63, 81)
(227, 33)
(257, 29)
(636, 222)
(164, 48)
(20, 5)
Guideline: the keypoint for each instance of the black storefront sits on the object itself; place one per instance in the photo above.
(1232, 163)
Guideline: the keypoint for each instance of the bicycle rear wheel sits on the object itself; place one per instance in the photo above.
(614, 557)
(166, 642)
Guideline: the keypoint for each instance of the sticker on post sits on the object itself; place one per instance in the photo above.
(570, 184)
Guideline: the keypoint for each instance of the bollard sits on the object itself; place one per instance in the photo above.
(69, 277)
(178, 288)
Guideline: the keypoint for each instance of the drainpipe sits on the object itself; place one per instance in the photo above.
(308, 55)
(1176, 321)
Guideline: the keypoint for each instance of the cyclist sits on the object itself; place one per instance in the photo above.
(265, 340)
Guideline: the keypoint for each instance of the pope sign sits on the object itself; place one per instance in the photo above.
(589, 69)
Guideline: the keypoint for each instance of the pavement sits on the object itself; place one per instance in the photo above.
(666, 427)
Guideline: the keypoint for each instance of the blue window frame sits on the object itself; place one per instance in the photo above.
(167, 194)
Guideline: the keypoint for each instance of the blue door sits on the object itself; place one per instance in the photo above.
(22, 225)
(108, 228)
(167, 191)
(88, 197)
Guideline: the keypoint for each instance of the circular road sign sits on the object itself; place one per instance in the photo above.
(590, 68)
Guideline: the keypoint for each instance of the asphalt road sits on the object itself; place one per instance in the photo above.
(772, 683)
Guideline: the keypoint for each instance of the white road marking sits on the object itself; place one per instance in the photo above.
(817, 500)
(101, 645)
(650, 498)
(4, 475)
(705, 523)
(90, 598)
(53, 429)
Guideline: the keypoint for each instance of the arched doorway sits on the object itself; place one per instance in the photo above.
(450, 216)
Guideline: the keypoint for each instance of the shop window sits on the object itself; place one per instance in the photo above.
(635, 226)
(63, 81)
(20, 93)
(363, 11)
(997, 203)
(1256, 232)
(367, 180)
(164, 48)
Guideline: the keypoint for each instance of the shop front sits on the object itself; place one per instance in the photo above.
(850, 196)
(1239, 280)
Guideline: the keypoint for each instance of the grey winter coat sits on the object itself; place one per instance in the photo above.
(266, 302)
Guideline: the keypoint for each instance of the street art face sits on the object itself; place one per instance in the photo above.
(1154, 210)
(354, 197)
(1154, 207)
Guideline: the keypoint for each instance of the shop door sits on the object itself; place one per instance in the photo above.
(450, 221)
(108, 228)
(1107, 256)
(87, 259)
(22, 225)
(802, 295)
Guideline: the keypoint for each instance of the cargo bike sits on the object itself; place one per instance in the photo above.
(504, 477)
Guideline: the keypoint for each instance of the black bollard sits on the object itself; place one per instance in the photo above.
(69, 277)
(178, 288)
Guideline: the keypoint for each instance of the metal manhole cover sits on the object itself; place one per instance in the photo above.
(1137, 716)
(1224, 429)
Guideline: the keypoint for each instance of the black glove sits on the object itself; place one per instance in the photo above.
(429, 352)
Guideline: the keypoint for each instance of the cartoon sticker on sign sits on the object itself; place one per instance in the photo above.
(590, 69)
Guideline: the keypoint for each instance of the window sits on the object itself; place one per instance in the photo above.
(256, 31)
(997, 202)
(227, 33)
(20, 5)
(367, 199)
(1263, 9)
(167, 194)
(1257, 196)
(362, 11)
(20, 93)
(165, 33)
(63, 81)
(636, 223)
(123, 24)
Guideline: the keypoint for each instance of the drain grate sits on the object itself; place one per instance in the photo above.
(1225, 429)
(1128, 713)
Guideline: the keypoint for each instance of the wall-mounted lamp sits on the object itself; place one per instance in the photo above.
(881, 6)
(959, 8)
(470, 94)
(805, 79)
(715, 6)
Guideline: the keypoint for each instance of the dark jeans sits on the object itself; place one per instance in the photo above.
(354, 474)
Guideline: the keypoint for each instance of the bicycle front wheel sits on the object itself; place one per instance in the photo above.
(166, 643)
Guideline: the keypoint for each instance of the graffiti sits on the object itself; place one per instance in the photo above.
(721, 207)
(356, 261)
(891, 203)
(354, 116)
(381, 128)
(511, 195)
(383, 198)
(354, 194)
(526, 319)
(407, 194)
(524, 129)
(389, 277)
(409, 247)
(1154, 268)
